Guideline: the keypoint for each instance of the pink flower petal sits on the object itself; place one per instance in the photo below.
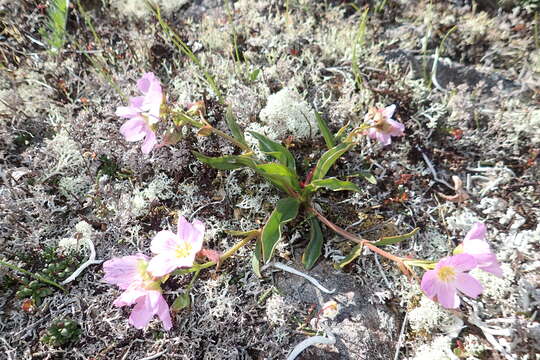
(123, 271)
(428, 284)
(389, 111)
(149, 142)
(183, 228)
(163, 264)
(383, 138)
(478, 231)
(447, 295)
(129, 297)
(185, 262)
(372, 133)
(141, 314)
(476, 247)
(493, 268)
(164, 241)
(146, 81)
(134, 129)
(461, 262)
(397, 128)
(137, 102)
(164, 313)
(127, 111)
(468, 285)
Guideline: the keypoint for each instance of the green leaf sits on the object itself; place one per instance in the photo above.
(241, 233)
(254, 74)
(227, 162)
(356, 252)
(181, 302)
(279, 175)
(329, 158)
(333, 184)
(233, 126)
(368, 176)
(255, 262)
(325, 131)
(276, 150)
(313, 249)
(395, 239)
(285, 211)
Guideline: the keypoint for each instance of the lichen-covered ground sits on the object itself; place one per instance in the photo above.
(464, 78)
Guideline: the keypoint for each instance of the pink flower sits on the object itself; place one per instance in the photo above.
(449, 276)
(143, 113)
(130, 274)
(176, 250)
(475, 245)
(383, 126)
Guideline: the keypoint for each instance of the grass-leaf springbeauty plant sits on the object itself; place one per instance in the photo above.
(174, 254)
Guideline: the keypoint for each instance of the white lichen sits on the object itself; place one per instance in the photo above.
(438, 349)
(286, 113)
(79, 240)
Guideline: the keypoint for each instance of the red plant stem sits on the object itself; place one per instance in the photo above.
(352, 237)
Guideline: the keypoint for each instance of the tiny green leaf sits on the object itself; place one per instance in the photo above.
(285, 211)
(255, 262)
(254, 74)
(333, 184)
(313, 249)
(329, 158)
(227, 162)
(276, 150)
(395, 239)
(233, 126)
(356, 252)
(181, 302)
(325, 131)
(368, 176)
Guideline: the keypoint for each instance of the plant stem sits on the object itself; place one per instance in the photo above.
(230, 138)
(35, 276)
(352, 237)
(226, 255)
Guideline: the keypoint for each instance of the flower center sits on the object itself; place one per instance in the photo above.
(446, 274)
(183, 250)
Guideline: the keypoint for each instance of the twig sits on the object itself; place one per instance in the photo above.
(330, 339)
(299, 273)
(91, 261)
(432, 169)
(401, 336)
(155, 356)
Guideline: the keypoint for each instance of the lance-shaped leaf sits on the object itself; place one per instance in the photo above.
(325, 131)
(329, 158)
(333, 184)
(279, 175)
(233, 126)
(395, 239)
(314, 247)
(356, 252)
(276, 150)
(285, 211)
(227, 162)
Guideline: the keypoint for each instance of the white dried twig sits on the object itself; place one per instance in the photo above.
(155, 356)
(299, 273)
(401, 336)
(433, 171)
(91, 261)
(329, 339)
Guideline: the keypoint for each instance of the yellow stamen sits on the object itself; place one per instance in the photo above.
(446, 274)
(183, 250)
